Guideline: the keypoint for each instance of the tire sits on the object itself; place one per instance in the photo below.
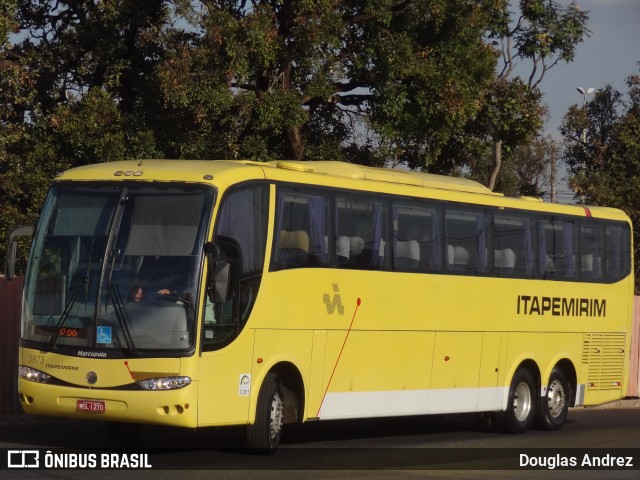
(264, 435)
(554, 405)
(521, 403)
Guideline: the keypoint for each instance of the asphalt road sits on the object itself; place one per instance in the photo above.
(425, 447)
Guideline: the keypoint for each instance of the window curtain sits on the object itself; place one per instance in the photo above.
(438, 241)
(481, 243)
(377, 234)
(569, 256)
(529, 253)
(317, 226)
(542, 250)
(236, 221)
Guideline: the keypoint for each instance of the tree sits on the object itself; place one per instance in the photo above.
(542, 34)
(367, 81)
(535, 168)
(603, 151)
(15, 91)
(510, 116)
(590, 154)
(77, 85)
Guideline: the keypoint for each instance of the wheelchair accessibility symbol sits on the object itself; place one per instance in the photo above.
(104, 334)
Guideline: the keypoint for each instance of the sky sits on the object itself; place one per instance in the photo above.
(608, 56)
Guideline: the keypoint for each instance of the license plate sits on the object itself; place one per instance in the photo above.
(92, 406)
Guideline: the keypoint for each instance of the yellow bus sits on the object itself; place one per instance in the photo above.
(210, 293)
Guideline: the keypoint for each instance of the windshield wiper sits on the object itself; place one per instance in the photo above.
(121, 315)
(65, 314)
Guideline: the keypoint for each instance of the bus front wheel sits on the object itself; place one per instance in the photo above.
(518, 416)
(554, 405)
(264, 434)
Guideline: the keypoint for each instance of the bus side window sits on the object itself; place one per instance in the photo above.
(591, 251)
(301, 235)
(466, 231)
(415, 245)
(559, 249)
(513, 240)
(617, 248)
(360, 220)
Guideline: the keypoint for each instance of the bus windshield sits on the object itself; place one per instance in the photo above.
(116, 268)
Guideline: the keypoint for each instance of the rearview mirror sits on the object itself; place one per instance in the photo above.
(12, 248)
(220, 286)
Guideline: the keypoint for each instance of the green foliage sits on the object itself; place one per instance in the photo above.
(511, 114)
(603, 152)
(543, 33)
(299, 78)
(376, 82)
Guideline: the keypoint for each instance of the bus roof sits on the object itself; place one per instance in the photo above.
(195, 170)
(406, 177)
(232, 171)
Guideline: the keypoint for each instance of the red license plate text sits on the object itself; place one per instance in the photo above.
(92, 406)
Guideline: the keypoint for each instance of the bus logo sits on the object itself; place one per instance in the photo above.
(23, 459)
(332, 303)
(245, 385)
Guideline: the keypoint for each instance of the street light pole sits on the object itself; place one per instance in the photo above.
(585, 92)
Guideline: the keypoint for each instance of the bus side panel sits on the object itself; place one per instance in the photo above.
(317, 374)
(377, 374)
(407, 359)
(275, 346)
(456, 365)
(490, 394)
(352, 382)
(225, 383)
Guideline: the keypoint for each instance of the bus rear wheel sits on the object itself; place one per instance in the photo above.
(554, 405)
(519, 415)
(264, 435)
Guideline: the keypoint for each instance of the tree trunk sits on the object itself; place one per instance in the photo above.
(554, 172)
(296, 144)
(497, 162)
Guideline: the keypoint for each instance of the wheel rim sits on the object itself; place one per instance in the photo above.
(522, 401)
(555, 399)
(275, 416)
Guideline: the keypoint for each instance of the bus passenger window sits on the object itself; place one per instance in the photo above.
(558, 249)
(417, 241)
(512, 241)
(360, 223)
(591, 251)
(301, 236)
(617, 251)
(466, 232)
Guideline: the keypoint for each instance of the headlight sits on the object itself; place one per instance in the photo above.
(165, 383)
(33, 375)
